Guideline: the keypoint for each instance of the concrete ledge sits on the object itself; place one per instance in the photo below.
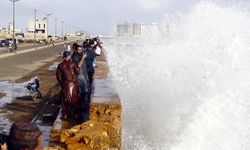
(103, 130)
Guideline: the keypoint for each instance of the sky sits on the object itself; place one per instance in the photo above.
(92, 16)
(97, 17)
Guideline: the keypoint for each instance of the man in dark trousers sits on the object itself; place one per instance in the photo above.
(66, 75)
(90, 60)
(83, 84)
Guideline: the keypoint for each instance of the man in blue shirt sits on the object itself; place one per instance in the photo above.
(83, 83)
(90, 60)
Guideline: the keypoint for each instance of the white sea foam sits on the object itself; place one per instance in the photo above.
(188, 89)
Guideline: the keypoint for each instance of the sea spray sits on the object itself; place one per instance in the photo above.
(188, 89)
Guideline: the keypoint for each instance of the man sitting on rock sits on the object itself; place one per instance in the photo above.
(66, 75)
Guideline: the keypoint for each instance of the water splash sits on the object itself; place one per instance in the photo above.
(189, 90)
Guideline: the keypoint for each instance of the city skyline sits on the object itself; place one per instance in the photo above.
(93, 16)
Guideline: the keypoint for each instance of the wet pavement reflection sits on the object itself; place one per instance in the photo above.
(54, 66)
(11, 91)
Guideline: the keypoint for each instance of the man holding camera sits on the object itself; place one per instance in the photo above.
(66, 75)
(83, 83)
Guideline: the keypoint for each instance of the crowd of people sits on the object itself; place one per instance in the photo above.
(75, 75)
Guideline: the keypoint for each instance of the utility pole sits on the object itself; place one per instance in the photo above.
(13, 34)
(70, 29)
(55, 27)
(47, 18)
(35, 28)
(66, 28)
(62, 28)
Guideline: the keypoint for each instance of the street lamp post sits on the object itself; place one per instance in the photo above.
(13, 32)
(55, 27)
(66, 29)
(35, 28)
(62, 28)
(47, 18)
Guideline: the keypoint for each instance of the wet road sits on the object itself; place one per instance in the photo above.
(21, 47)
(14, 67)
(4, 50)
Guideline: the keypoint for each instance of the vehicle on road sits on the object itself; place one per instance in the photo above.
(33, 88)
(4, 43)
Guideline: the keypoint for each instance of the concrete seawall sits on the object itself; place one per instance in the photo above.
(103, 130)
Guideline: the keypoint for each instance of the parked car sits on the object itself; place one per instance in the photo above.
(1, 43)
(4, 43)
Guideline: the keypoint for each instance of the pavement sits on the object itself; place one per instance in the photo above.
(24, 49)
(14, 66)
(20, 47)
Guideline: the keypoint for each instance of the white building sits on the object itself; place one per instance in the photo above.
(138, 29)
(3, 31)
(131, 29)
(41, 28)
(8, 31)
(124, 29)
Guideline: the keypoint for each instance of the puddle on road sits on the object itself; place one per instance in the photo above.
(54, 66)
(5, 123)
(12, 91)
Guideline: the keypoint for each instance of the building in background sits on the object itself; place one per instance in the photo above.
(6, 32)
(41, 29)
(139, 29)
(3, 32)
(124, 29)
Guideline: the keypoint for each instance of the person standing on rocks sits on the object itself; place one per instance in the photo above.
(83, 84)
(66, 75)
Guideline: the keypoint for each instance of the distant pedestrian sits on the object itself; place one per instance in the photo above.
(74, 46)
(65, 38)
(66, 75)
(98, 50)
(10, 46)
(53, 43)
(64, 47)
(15, 45)
(68, 47)
(50, 41)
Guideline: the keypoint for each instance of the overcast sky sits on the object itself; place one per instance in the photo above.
(93, 16)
